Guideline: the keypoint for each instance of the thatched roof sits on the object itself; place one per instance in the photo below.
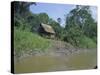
(48, 28)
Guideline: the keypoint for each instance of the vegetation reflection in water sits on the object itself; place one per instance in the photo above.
(82, 60)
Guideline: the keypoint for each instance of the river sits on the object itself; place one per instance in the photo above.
(46, 63)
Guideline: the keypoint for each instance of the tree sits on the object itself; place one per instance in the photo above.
(22, 7)
(78, 15)
(22, 16)
(81, 16)
(80, 23)
(59, 20)
(43, 18)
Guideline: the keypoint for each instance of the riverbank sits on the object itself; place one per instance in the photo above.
(58, 49)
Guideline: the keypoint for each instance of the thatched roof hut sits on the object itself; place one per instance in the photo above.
(46, 29)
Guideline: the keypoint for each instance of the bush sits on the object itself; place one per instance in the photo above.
(72, 35)
(21, 23)
(86, 42)
(77, 38)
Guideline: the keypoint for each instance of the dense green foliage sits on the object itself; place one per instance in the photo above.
(24, 40)
(80, 28)
(86, 42)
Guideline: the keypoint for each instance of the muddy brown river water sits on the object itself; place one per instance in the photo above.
(44, 63)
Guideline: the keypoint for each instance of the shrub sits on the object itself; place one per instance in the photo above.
(86, 42)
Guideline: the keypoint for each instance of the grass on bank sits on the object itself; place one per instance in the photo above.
(25, 40)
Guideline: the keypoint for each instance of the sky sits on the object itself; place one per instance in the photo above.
(55, 11)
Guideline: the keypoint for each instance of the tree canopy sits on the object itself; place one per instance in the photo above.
(80, 21)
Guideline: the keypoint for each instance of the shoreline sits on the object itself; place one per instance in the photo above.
(52, 53)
